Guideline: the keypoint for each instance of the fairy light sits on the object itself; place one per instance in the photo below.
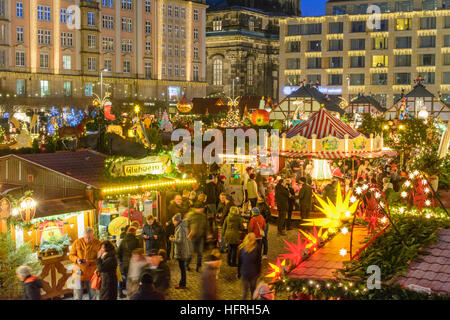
(424, 182)
(407, 183)
(403, 194)
(352, 199)
(428, 216)
(344, 230)
(358, 190)
(347, 213)
(411, 176)
(377, 195)
(383, 220)
(427, 190)
(416, 172)
(148, 185)
(365, 186)
(343, 252)
(427, 202)
(401, 210)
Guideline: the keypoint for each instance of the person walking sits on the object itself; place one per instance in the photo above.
(159, 270)
(146, 290)
(181, 247)
(175, 207)
(249, 266)
(282, 201)
(226, 202)
(291, 204)
(129, 243)
(329, 192)
(83, 255)
(107, 269)
(232, 227)
(209, 278)
(152, 233)
(245, 178)
(252, 190)
(197, 226)
(257, 225)
(137, 264)
(305, 198)
(265, 212)
(32, 285)
(212, 198)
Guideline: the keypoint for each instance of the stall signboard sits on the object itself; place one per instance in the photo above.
(143, 167)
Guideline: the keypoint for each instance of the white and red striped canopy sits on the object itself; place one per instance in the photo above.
(323, 124)
(337, 154)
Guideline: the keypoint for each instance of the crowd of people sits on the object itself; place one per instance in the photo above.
(135, 267)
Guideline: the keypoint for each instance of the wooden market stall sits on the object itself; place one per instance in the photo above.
(365, 104)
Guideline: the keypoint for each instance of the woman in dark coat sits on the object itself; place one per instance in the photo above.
(107, 268)
(249, 266)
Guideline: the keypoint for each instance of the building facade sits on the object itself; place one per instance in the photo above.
(145, 50)
(242, 46)
(348, 52)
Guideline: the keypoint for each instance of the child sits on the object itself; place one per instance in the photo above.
(31, 284)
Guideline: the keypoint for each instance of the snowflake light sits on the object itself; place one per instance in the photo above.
(358, 190)
(427, 202)
(383, 220)
(403, 194)
(377, 195)
(402, 210)
(427, 190)
(352, 199)
(365, 186)
(428, 216)
(344, 230)
(407, 183)
(411, 176)
(343, 252)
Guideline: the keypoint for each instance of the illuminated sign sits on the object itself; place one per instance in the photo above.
(142, 167)
(327, 90)
(173, 93)
(287, 90)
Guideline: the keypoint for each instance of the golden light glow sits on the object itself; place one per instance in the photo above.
(150, 185)
(426, 69)
(293, 72)
(314, 240)
(313, 54)
(137, 108)
(276, 270)
(356, 53)
(343, 252)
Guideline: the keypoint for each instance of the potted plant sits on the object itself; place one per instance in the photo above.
(54, 246)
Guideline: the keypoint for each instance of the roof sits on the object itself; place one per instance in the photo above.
(6, 187)
(309, 91)
(325, 261)
(61, 206)
(86, 166)
(419, 91)
(432, 270)
(362, 99)
(323, 124)
(212, 105)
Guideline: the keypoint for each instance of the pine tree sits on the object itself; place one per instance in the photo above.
(232, 119)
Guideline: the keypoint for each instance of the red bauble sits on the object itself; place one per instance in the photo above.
(260, 117)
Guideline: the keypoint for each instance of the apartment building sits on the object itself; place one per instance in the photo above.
(140, 50)
(348, 55)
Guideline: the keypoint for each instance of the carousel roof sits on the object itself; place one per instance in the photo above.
(419, 91)
(362, 99)
(323, 124)
(309, 91)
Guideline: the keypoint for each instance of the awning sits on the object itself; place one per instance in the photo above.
(60, 206)
(337, 154)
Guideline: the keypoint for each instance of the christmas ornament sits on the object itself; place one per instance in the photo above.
(260, 117)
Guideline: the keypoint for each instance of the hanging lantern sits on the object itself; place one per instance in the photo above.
(184, 105)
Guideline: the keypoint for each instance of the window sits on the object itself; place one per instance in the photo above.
(403, 24)
(108, 65)
(127, 25)
(293, 63)
(177, 70)
(427, 41)
(107, 3)
(44, 37)
(19, 9)
(20, 87)
(148, 6)
(403, 60)
(360, 9)
(169, 29)
(169, 50)
(404, 5)
(183, 32)
(127, 66)
(217, 72)
(427, 60)
(335, 45)
(183, 52)
(251, 24)
(311, 28)
(357, 79)
(67, 62)
(358, 26)
(88, 89)
(177, 51)
(92, 41)
(127, 46)
(403, 78)
(148, 70)
(163, 69)
(335, 27)
(163, 49)
(47, 14)
(294, 30)
(357, 44)
(195, 34)
(447, 40)
(2, 58)
(148, 47)
(380, 43)
(92, 64)
(163, 9)
(428, 77)
(429, 4)
(447, 21)
(20, 59)
(446, 78)
(183, 71)
(403, 42)
(357, 62)
(66, 39)
(335, 80)
(196, 53)
(313, 78)
(379, 79)
(176, 12)
(446, 59)
(195, 16)
(379, 61)
(338, 10)
(314, 63)
(91, 19)
(169, 70)
(148, 27)
(63, 16)
(108, 22)
(108, 44)
(335, 62)
(19, 34)
(293, 46)
(196, 74)
(315, 45)
(177, 31)
(45, 88)
(67, 88)
(445, 4)
(127, 5)
(217, 24)
(250, 72)
(384, 26)
(428, 23)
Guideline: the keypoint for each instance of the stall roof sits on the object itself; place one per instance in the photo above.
(6, 187)
(419, 91)
(309, 91)
(362, 99)
(217, 105)
(86, 166)
(60, 206)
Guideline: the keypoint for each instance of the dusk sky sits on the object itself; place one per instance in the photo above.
(313, 7)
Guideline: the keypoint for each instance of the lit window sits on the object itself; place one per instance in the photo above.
(379, 61)
(217, 72)
(67, 62)
(45, 88)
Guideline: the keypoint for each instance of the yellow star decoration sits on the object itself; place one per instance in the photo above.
(314, 238)
(335, 213)
(276, 269)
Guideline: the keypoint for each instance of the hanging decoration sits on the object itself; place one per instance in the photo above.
(232, 119)
(404, 109)
(260, 117)
(316, 239)
(165, 124)
(297, 251)
(276, 270)
(184, 105)
(417, 191)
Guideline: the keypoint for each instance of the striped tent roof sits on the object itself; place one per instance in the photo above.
(323, 124)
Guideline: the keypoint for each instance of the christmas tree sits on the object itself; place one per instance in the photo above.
(232, 119)
(165, 124)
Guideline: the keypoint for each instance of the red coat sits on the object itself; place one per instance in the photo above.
(256, 223)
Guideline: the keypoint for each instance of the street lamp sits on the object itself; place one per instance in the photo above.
(237, 80)
(27, 209)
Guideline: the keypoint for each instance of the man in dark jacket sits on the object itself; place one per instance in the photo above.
(126, 247)
(176, 206)
(305, 198)
(282, 201)
(329, 192)
(291, 203)
(226, 202)
(152, 233)
(197, 226)
(31, 284)
(147, 290)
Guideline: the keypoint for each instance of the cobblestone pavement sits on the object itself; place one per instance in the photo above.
(229, 287)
